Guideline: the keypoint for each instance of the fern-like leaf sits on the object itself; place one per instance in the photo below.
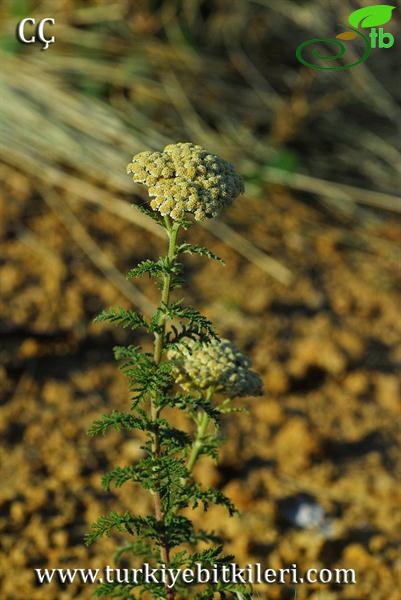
(193, 324)
(122, 317)
(144, 376)
(191, 404)
(201, 250)
(105, 525)
(159, 268)
(152, 214)
(137, 548)
(117, 420)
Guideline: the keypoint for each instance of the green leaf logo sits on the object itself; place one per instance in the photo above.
(371, 16)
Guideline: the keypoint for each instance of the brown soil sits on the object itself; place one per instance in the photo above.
(326, 430)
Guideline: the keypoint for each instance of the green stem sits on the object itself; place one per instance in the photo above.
(197, 445)
(203, 423)
(172, 231)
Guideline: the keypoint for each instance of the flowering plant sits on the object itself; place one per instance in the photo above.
(188, 366)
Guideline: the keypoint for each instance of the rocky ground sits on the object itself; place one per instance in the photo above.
(323, 441)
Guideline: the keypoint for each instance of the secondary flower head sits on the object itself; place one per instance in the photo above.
(218, 364)
(186, 179)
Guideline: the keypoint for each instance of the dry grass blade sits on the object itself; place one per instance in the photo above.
(332, 189)
(94, 252)
(121, 209)
(268, 264)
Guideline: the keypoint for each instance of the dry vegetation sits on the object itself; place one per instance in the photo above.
(311, 287)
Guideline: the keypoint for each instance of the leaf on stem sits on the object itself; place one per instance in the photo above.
(122, 317)
(152, 214)
(201, 250)
(163, 266)
(106, 524)
(117, 420)
(196, 327)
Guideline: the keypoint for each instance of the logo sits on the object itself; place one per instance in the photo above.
(370, 17)
(39, 32)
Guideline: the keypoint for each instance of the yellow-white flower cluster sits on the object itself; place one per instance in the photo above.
(219, 364)
(186, 179)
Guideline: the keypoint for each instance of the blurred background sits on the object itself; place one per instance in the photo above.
(311, 287)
